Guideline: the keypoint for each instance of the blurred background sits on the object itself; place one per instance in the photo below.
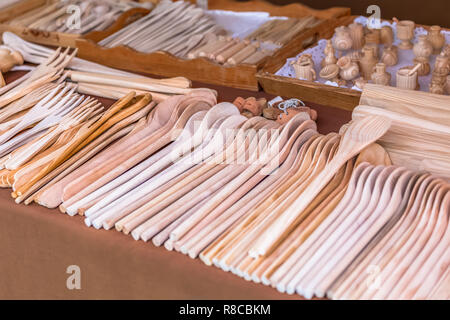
(420, 11)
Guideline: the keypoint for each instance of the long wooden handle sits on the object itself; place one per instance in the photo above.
(243, 54)
(78, 76)
(287, 217)
(257, 56)
(78, 141)
(142, 101)
(113, 92)
(226, 54)
(127, 82)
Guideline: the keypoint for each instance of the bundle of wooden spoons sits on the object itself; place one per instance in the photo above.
(99, 80)
(175, 27)
(37, 54)
(59, 16)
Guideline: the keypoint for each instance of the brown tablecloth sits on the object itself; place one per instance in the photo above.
(37, 245)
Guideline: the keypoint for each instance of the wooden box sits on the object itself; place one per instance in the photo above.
(34, 35)
(200, 69)
(310, 91)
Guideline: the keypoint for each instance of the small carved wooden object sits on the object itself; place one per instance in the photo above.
(436, 38)
(306, 58)
(405, 32)
(357, 34)
(390, 56)
(253, 106)
(271, 113)
(442, 64)
(437, 87)
(239, 103)
(386, 36)
(407, 78)
(360, 83)
(9, 59)
(368, 62)
(330, 57)
(331, 72)
(304, 68)
(349, 69)
(291, 107)
(342, 40)
(380, 76)
(373, 37)
(423, 50)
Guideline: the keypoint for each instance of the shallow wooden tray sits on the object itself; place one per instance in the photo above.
(310, 91)
(200, 69)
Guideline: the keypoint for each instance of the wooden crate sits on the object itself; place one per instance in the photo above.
(200, 69)
(34, 35)
(310, 91)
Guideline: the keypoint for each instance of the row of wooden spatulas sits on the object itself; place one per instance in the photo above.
(74, 16)
(420, 133)
(45, 119)
(172, 26)
(249, 195)
(187, 31)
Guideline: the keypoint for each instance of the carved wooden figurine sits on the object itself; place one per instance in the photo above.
(442, 64)
(439, 77)
(436, 87)
(423, 50)
(330, 57)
